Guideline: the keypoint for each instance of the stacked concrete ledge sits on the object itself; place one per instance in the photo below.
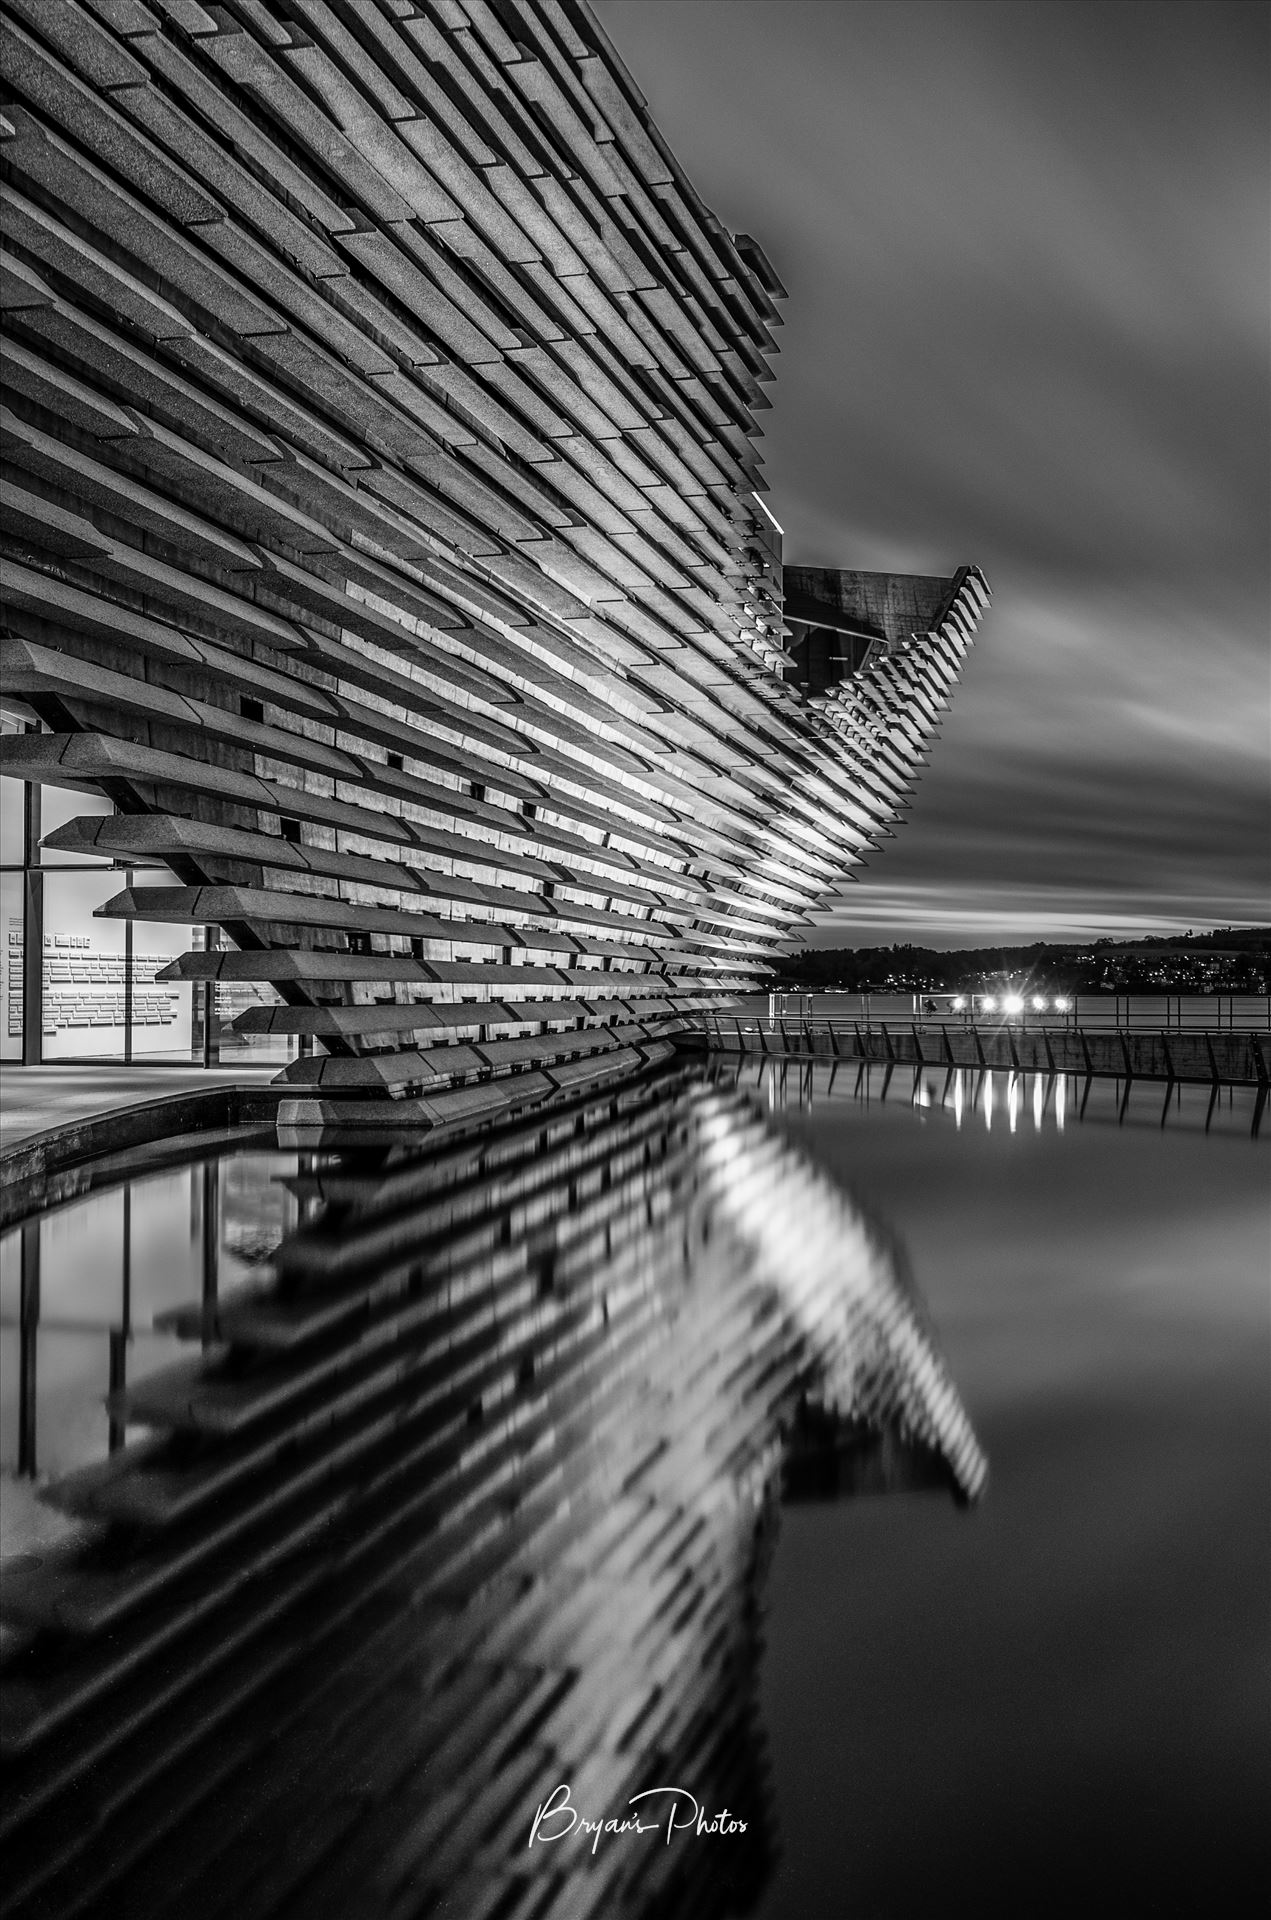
(384, 538)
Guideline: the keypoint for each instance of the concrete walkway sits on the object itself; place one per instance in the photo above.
(33, 1099)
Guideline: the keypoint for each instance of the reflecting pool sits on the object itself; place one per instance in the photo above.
(87, 1291)
(486, 1525)
(1061, 1706)
(421, 1570)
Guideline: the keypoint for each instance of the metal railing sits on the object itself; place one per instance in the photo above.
(805, 1081)
(1133, 1012)
(1227, 1057)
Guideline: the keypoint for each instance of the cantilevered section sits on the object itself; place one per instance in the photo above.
(384, 537)
(840, 620)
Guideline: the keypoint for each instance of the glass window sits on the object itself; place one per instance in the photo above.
(57, 806)
(12, 820)
(83, 968)
(11, 886)
(161, 1022)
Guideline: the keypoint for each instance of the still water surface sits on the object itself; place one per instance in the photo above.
(455, 1490)
(473, 1491)
(1058, 1703)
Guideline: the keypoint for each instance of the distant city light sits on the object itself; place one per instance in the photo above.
(1012, 1004)
(1039, 1003)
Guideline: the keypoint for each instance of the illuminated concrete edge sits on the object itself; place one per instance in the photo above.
(474, 1496)
(384, 538)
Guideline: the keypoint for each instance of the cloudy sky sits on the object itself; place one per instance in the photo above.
(1025, 243)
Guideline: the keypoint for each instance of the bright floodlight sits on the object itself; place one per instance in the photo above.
(1061, 1006)
(1039, 1003)
(988, 1003)
(959, 1004)
(1012, 1004)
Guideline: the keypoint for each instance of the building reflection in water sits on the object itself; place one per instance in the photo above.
(463, 1491)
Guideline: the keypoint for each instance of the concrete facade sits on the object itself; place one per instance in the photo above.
(384, 541)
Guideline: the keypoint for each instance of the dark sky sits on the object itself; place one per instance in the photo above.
(1026, 247)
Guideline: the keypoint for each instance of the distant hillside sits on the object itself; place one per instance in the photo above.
(1229, 960)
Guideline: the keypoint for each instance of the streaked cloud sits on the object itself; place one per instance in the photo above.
(1026, 247)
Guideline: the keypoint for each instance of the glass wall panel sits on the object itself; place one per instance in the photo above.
(161, 1020)
(11, 965)
(83, 968)
(12, 818)
(96, 972)
(235, 997)
(57, 806)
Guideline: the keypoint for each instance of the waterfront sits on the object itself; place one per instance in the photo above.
(1060, 1707)
(1052, 1699)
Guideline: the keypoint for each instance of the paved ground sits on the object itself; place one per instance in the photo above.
(35, 1098)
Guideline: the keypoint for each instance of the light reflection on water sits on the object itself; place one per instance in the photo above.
(524, 1532)
(1042, 1099)
(1060, 1709)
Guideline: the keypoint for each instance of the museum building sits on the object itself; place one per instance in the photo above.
(400, 678)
